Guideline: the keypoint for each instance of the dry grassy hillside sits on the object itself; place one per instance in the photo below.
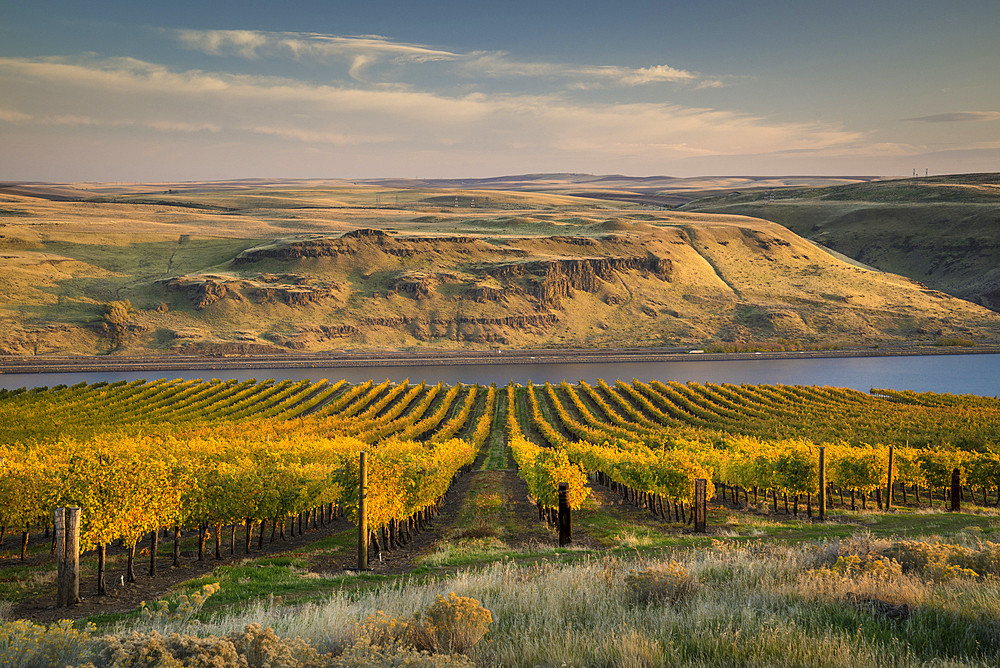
(943, 231)
(319, 268)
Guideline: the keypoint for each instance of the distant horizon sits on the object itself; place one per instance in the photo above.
(496, 177)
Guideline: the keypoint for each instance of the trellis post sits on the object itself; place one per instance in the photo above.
(888, 483)
(700, 505)
(822, 484)
(362, 512)
(67, 527)
(565, 519)
(956, 490)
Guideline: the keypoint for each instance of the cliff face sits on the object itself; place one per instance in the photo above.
(551, 280)
(447, 288)
(354, 242)
(731, 282)
(292, 296)
(202, 292)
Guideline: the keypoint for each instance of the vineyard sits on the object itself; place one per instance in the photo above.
(203, 458)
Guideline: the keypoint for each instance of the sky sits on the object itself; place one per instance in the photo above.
(108, 90)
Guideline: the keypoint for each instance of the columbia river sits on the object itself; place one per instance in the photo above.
(955, 373)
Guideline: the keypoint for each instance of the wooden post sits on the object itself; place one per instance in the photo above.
(154, 545)
(362, 512)
(67, 534)
(59, 516)
(73, 555)
(565, 517)
(888, 483)
(700, 504)
(102, 557)
(956, 490)
(822, 484)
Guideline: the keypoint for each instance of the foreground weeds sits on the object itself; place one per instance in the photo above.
(860, 601)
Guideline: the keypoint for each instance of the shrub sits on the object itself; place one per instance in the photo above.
(664, 581)
(262, 648)
(942, 561)
(116, 320)
(383, 631)
(365, 655)
(27, 645)
(153, 650)
(453, 625)
(947, 341)
(870, 564)
(185, 608)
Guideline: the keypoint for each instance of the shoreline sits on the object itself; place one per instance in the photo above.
(85, 364)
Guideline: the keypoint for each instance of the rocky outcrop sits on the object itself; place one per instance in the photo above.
(305, 335)
(204, 292)
(464, 328)
(223, 348)
(379, 236)
(515, 321)
(576, 241)
(397, 321)
(292, 296)
(416, 284)
(551, 280)
(351, 242)
(482, 293)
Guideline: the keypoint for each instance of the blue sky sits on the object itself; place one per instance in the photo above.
(131, 91)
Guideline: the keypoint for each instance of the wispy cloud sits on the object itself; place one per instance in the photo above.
(125, 91)
(956, 117)
(359, 51)
(254, 44)
(362, 52)
(499, 65)
(13, 116)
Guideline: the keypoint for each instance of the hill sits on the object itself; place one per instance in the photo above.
(943, 231)
(263, 268)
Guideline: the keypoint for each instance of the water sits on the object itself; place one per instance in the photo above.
(957, 374)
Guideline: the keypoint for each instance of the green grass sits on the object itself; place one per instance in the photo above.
(761, 589)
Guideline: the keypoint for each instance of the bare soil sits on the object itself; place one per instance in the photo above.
(129, 596)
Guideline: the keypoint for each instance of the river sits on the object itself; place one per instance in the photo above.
(957, 374)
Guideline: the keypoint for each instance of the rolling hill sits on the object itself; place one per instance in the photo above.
(943, 231)
(314, 267)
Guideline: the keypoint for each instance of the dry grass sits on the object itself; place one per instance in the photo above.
(735, 279)
(747, 605)
(845, 603)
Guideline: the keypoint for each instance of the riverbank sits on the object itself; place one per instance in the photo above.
(374, 359)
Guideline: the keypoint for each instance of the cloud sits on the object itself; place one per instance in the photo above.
(13, 116)
(381, 127)
(363, 51)
(955, 117)
(499, 65)
(360, 51)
